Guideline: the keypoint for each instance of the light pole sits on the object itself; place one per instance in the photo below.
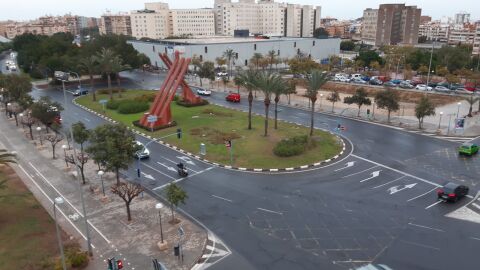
(159, 206)
(39, 129)
(430, 65)
(321, 97)
(449, 121)
(458, 108)
(58, 200)
(64, 147)
(79, 81)
(100, 173)
(63, 76)
(440, 121)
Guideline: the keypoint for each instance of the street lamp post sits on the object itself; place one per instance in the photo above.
(321, 97)
(58, 200)
(449, 121)
(458, 108)
(21, 120)
(373, 110)
(64, 147)
(159, 206)
(100, 173)
(440, 121)
(39, 129)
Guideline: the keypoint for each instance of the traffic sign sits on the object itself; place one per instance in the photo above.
(152, 119)
(103, 101)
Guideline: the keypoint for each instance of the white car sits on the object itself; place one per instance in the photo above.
(423, 87)
(221, 74)
(342, 79)
(203, 92)
(442, 89)
(357, 76)
(358, 81)
(143, 152)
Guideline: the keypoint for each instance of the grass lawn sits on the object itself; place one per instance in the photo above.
(213, 124)
(27, 233)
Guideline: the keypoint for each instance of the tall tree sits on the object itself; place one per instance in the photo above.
(113, 147)
(423, 109)
(46, 110)
(249, 79)
(117, 67)
(272, 58)
(333, 97)
(16, 88)
(229, 54)
(388, 100)
(80, 162)
(256, 58)
(127, 191)
(314, 82)
(320, 33)
(277, 92)
(175, 196)
(54, 138)
(221, 61)
(359, 98)
(267, 83)
(206, 71)
(291, 88)
(106, 61)
(89, 65)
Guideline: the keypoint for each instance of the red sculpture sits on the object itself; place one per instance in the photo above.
(175, 78)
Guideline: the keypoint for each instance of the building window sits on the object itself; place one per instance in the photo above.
(254, 47)
(206, 49)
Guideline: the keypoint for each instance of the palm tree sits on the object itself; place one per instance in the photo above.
(314, 82)
(117, 67)
(229, 54)
(277, 92)
(268, 82)
(6, 157)
(256, 59)
(89, 64)
(272, 58)
(249, 79)
(106, 59)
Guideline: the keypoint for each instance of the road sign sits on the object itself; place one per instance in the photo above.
(152, 119)
(60, 75)
(103, 101)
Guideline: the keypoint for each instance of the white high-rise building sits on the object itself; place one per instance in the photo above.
(476, 43)
(462, 18)
(195, 22)
(152, 22)
(301, 20)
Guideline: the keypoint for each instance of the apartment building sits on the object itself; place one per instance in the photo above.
(151, 22)
(462, 18)
(391, 24)
(462, 36)
(119, 24)
(434, 31)
(476, 43)
(194, 22)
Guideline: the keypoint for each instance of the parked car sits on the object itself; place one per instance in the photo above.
(452, 192)
(233, 97)
(342, 79)
(462, 91)
(443, 89)
(390, 84)
(365, 78)
(375, 82)
(383, 78)
(356, 76)
(423, 87)
(221, 74)
(406, 85)
(358, 81)
(143, 152)
(396, 81)
(455, 86)
(433, 84)
(203, 92)
(340, 75)
(374, 267)
(80, 92)
(468, 149)
(416, 82)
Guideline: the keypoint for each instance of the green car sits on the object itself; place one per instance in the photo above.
(468, 149)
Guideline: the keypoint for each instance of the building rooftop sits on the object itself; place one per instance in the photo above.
(220, 40)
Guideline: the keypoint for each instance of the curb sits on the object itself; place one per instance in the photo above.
(257, 170)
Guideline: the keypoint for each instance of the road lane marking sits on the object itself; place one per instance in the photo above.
(398, 171)
(469, 196)
(374, 174)
(51, 201)
(86, 119)
(148, 166)
(476, 205)
(421, 195)
(396, 189)
(475, 238)
(389, 182)
(189, 168)
(269, 211)
(425, 227)
(359, 172)
(181, 179)
(221, 198)
(419, 245)
(433, 204)
(348, 165)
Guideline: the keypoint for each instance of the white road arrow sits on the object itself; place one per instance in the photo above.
(148, 176)
(168, 167)
(348, 165)
(396, 189)
(186, 159)
(374, 174)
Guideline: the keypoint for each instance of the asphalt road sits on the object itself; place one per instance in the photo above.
(378, 204)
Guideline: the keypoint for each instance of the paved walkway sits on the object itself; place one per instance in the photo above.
(112, 235)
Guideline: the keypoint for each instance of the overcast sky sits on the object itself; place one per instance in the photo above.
(343, 9)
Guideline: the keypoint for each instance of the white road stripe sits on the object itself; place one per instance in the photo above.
(189, 168)
(221, 198)
(476, 205)
(359, 172)
(389, 182)
(181, 179)
(148, 166)
(86, 119)
(418, 244)
(421, 195)
(431, 205)
(475, 238)
(269, 211)
(425, 227)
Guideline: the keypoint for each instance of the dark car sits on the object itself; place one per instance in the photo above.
(80, 92)
(452, 192)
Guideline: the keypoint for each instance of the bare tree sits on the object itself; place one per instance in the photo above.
(29, 121)
(128, 192)
(54, 139)
(82, 159)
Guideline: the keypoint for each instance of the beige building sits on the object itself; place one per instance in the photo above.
(119, 24)
(194, 22)
(461, 36)
(301, 20)
(434, 31)
(391, 24)
(476, 44)
(152, 22)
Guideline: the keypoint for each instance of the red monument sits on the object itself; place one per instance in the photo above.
(175, 78)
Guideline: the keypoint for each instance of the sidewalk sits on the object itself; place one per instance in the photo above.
(404, 117)
(134, 242)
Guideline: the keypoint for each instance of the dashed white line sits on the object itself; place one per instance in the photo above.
(421, 195)
(86, 119)
(359, 172)
(181, 179)
(425, 227)
(433, 204)
(475, 238)
(389, 182)
(419, 245)
(221, 198)
(269, 211)
(148, 166)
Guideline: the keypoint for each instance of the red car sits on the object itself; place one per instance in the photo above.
(233, 97)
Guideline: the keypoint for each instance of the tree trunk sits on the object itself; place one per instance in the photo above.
(82, 173)
(469, 111)
(118, 84)
(31, 131)
(129, 215)
(267, 104)
(117, 173)
(92, 88)
(16, 119)
(388, 116)
(250, 102)
(419, 123)
(109, 81)
(333, 107)
(358, 114)
(277, 99)
(288, 99)
(311, 117)
(53, 150)
(201, 82)
(173, 216)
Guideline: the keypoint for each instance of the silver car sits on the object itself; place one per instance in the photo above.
(143, 152)
(374, 267)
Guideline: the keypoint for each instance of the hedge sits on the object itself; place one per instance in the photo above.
(132, 106)
(291, 147)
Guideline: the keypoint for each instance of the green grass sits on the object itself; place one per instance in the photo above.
(250, 148)
(27, 233)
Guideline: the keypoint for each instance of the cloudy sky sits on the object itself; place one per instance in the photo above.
(344, 9)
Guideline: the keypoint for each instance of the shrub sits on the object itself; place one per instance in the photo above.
(78, 259)
(291, 147)
(107, 91)
(181, 102)
(132, 106)
(113, 104)
(146, 97)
